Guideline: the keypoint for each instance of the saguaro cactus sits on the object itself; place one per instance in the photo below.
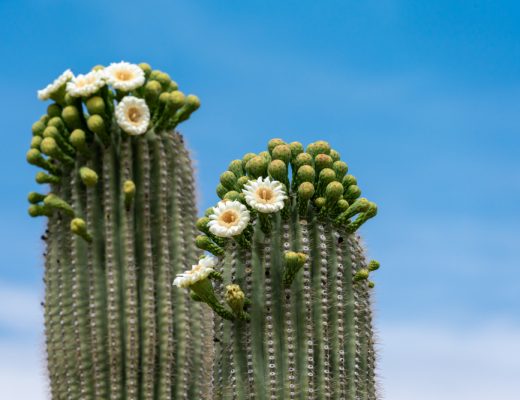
(288, 279)
(121, 214)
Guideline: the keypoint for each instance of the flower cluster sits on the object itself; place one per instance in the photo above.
(132, 113)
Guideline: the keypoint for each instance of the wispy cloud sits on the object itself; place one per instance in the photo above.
(430, 362)
(20, 310)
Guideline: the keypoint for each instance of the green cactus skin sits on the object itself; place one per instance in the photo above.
(121, 224)
(309, 335)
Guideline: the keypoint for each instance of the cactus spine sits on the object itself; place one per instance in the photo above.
(121, 215)
(289, 281)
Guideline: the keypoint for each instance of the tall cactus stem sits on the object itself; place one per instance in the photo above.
(340, 276)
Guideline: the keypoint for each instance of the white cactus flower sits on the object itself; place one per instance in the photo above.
(133, 115)
(86, 85)
(124, 76)
(197, 273)
(265, 195)
(51, 88)
(229, 219)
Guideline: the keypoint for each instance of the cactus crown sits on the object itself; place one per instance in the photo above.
(101, 107)
(258, 188)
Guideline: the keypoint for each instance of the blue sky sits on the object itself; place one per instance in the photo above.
(421, 98)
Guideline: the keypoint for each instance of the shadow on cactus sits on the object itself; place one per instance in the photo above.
(288, 279)
(121, 224)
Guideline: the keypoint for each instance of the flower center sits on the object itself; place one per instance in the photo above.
(134, 114)
(123, 75)
(265, 194)
(229, 218)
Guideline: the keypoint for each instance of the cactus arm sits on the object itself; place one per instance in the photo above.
(129, 277)
(257, 313)
(112, 258)
(146, 270)
(80, 301)
(97, 292)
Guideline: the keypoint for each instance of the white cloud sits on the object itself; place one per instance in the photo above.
(422, 362)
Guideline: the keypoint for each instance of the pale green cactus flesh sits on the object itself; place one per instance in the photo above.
(121, 223)
(290, 289)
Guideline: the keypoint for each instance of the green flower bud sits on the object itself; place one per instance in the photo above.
(72, 117)
(228, 180)
(44, 118)
(282, 152)
(42, 178)
(371, 284)
(36, 210)
(235, 166)
(266, 155)
(177, 99)
(78, 226)
(146, 69)
(320, 202)
(97, 125)
(164, 97)
(208, 212)
(306, 191)
(326, 176)
(57, 122)
(49, 147)
(232, 195)
(51, 132)
(35, 198)
(334, 155)
(152, 91)
(173, 86)
(37, 128)
(319, 147)
(373, 265)
(235, 298)
(163, 78)
(154, 73)
(98, 67)
(246, 158)
(341, 168)
(349, 180)
(278, 170)
(54, 110)
(273, 143)
(78, 139)
(322, 161)
(241, 182)
(333, 192)
(342, 205)
(191, 104)
(303, 159)
(296, 148)
(256, 167)
(359, 206)
(95, 105)
(53, 201)
(88, 176)
(306, 174)
(129, 192)
(221, 191)
(34, 157)
(202, 224)
(35, 142)
(352, 193)
(205, 243)
(293, 263)
(361, 275)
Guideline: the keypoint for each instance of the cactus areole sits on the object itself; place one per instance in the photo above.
(288, 279)
(121, 224)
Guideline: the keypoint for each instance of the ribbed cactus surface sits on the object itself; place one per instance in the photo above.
(288, 279)
(121, 214)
